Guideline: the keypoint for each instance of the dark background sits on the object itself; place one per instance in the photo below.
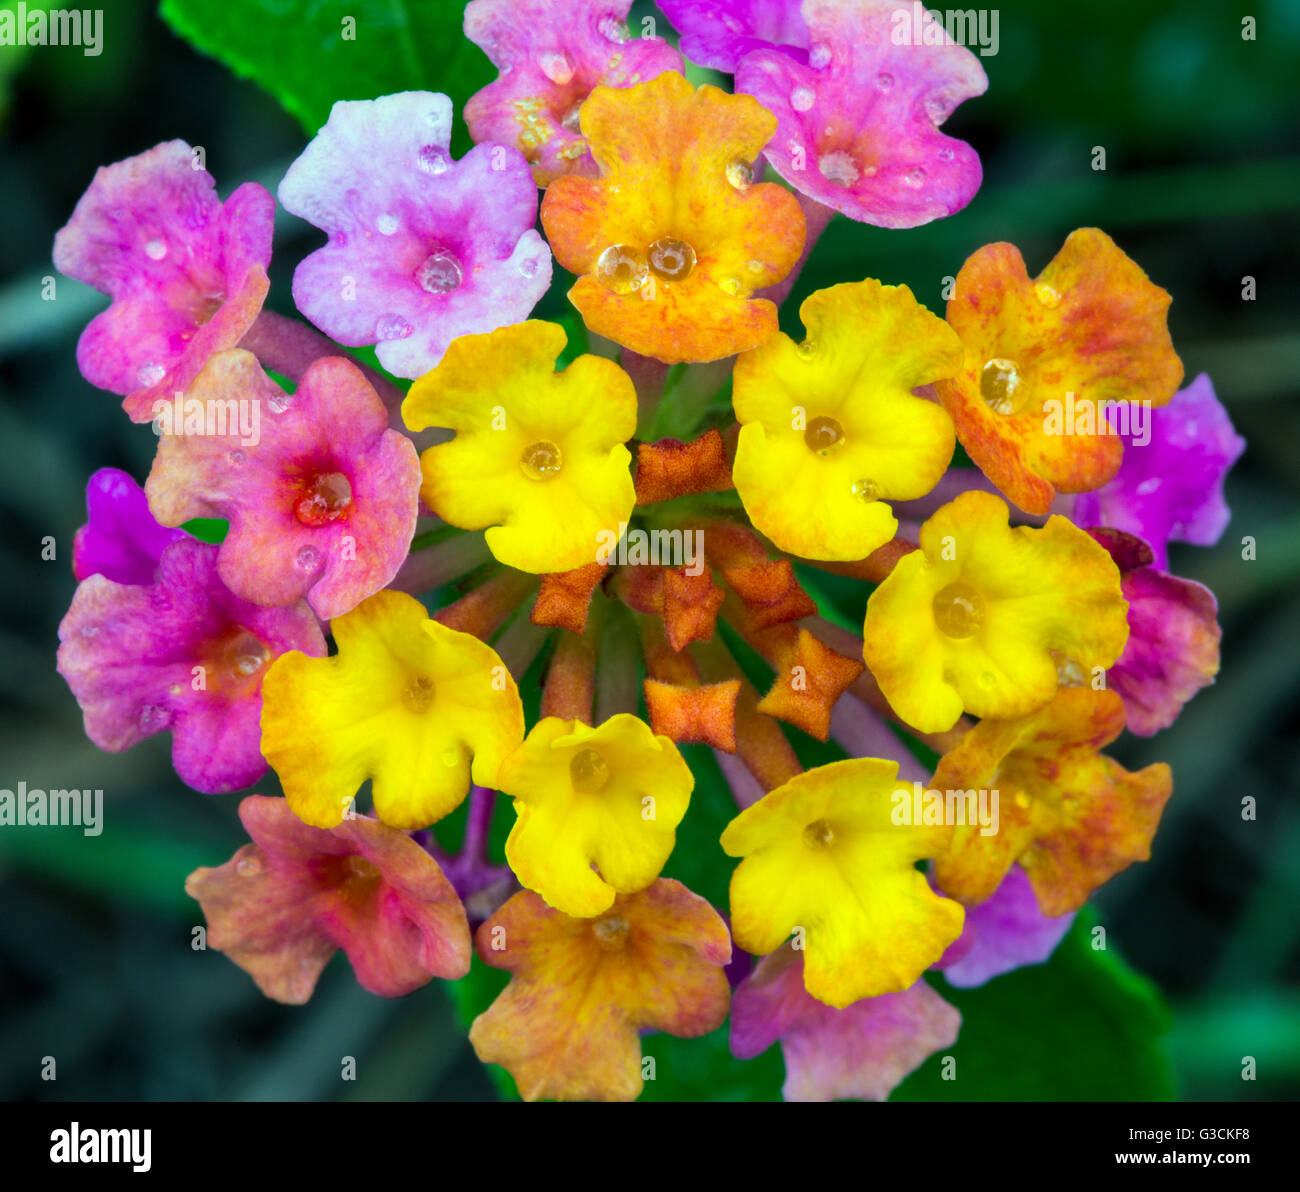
(1202, 188)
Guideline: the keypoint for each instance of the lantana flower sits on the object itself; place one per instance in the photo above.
(181, 654)
(186, 273)
(413, 706)
(825, 859)
(283, 905)
(862, 1051)
(830, 428)
(983, 616)
(1170, 487)
(1173, 641)
(719, 33)
(597, 809)
(551, 54)
(858, 122)
(538, 456)
(1042, 355)
(1071, 817)
(421, 249)
(566, 1027)
(672, 239)
(120, 540)
(321, 497)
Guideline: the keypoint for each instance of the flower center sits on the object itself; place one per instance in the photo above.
(611, 931)
(588, 771)
(357, 871)
(999, 381)
(542, 460)
(417, 695)
(671, 259)
(244, 655)
(823, 435)
(959, 610)
(622, 268)
(439, 273)
(572, 118)
(818, 834)
(326, 499)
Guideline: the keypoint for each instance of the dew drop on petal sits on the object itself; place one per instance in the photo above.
(279, 402)
(391, 327)
(236, 458)
(542, 460)
(149, 375)
(307, 558)
(884, 82)
(936, 108)
(866, 491)
(529, 266)
(1046, 295)
(450, 757)
(622, 268)
(387, 223)
(610, 932)
(999, 380)
(839, 168)
(823, 435)
(802, 98)
(155, 250)
(417, 695)
(805, 349)
(818, 834)
(434, 159)
(588, 771)
(1068, 672)
(819, 56)
(915, 176)
(958, 609)
(611, 28)
(556, 67)
(730, 286)
(740, 174)
(439, 272)
(248, 867)
(151, 718)
(671, 259)
(945, 154)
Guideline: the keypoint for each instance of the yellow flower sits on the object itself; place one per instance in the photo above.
(983, 615)
(539, 455)
(406, 702)
(611, 795)
(830, 428)
(828, 858)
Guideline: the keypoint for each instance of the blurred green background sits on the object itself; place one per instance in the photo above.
(1201, 130)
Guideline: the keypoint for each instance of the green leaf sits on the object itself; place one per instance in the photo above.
(308, 54)
(207, 529)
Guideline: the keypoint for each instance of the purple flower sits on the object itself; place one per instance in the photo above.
(182, 654)
(421, 249)
(321, 494)
(1006, 932)
(121, 540)
(858, 123)
(551, 54)
(186, 273)
(862, 1051)
(719, 33)
(1170, 489)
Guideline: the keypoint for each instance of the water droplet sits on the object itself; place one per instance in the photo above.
(439, 272)
(740, 174)
(611, 28)
(884, 82)
(152, 718)
(1149, 486)
(958, 610)
(999, 381)
(387, 223)
(818, 834)
(823, 435)
(819, 56)
(730, 286)
(806, 349)
(450, 757)
(248, 867)
(149, 375)
(1046, 295)
(156, 249)
(307, 558)
(945, 154)
(671, 259)
(802, 98)
(556, 67)
(915, 176)
(622, 269)
(250, 663)
(89, 630)
(937, 109)
(866, 490)
(542, 460)
(588, 771)
(839, 168)
(236, 458)
(279, 402)
(611, 932)
(529, 266)
(325, 498)
(1068, 672)
(391, 327)
(434, 159)
(417, 695)
(755, 266)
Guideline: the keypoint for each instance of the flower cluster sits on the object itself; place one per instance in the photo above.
(513, 530)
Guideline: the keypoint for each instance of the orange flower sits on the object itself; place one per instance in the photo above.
(672, 239)
(1042, 354)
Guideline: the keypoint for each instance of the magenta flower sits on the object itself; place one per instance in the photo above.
(320, 494)
(862, 1051)
(1173, 637)
(1004, 933)
(858, 124)
(1170, 489)
(181, 654)
(551, 54)
(186, 273)
(719, 33)
(283, 905)
(120, 539)
(421, 249)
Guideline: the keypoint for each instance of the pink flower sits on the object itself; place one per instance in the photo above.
(283, 905)
(320, 494)
(186, 272)
(182, 654)
(719, 33)
(121, 540)
(421, 249)
(551, 54)
(862, 1051)
(858, 124)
